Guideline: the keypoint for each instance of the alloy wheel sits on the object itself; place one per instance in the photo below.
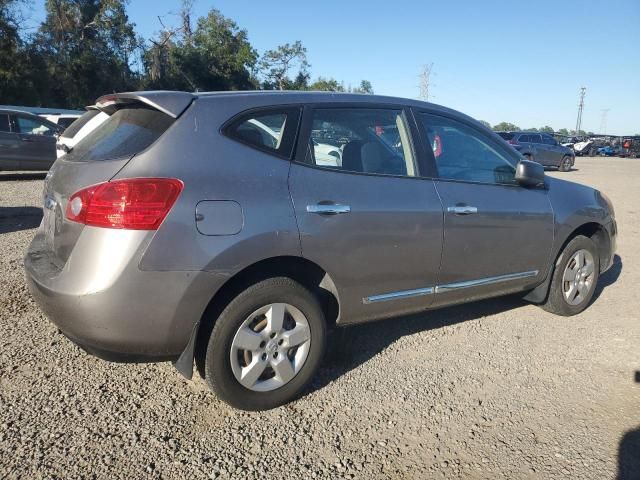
(270, 347)
(578, 277)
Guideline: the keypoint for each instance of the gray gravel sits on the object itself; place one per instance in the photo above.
(496, 389)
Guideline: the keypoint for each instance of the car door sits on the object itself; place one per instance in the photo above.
(541, 152)
(497, 234)
(9, 144)
(367, 218)
(38, 144)
(554, 151)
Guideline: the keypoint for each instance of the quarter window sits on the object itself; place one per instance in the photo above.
(363, 140)
(463, 153)
(271, 130)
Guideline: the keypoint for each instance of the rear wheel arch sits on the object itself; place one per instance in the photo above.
(310, 275)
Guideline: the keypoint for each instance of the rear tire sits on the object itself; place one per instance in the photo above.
(575, 277)
(255, 333)
(565, 164)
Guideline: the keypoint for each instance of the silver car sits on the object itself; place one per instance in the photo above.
(178, 230)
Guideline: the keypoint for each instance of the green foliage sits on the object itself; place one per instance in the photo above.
(86, 48)
(563, 131)
(546, 129)
(327, 85)
(505, 126)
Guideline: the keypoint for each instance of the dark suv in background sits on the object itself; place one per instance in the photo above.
(541, 148)
(27, 141)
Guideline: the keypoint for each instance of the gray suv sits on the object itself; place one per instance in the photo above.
(27, 141)
(542, 148)
(236, 229)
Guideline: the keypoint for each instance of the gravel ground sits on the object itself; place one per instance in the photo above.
(495, 389)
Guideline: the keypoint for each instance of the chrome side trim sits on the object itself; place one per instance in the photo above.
(448, 287)
(397, 295)
(485, 281)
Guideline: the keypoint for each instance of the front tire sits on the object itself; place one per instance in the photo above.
(565, 164)
(574, 278)
(266, 345)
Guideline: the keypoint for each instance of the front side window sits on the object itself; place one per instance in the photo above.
(463, 153)
(525, 138)
(535, 138)
(546, 139)
(363, 140)
(32, 126)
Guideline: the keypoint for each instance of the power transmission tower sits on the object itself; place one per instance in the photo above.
(603, 121)
(583, 92)
(425, 82)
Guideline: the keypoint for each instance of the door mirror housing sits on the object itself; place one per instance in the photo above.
(529, 174)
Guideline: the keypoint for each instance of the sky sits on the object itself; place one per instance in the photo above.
(521, 62)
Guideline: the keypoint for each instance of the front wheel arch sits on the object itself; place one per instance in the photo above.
(593, 230)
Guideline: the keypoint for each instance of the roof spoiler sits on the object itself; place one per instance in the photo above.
(171, 103)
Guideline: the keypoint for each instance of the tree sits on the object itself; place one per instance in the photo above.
(326, 85)
(216, 55)
(505, 126)
(532, 129)
(546, 129)
(87, 47)
(563, 131)
(276, 64)
(365, 87)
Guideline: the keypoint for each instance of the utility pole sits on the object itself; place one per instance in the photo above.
(425, 82)
(583, 92)
(603, 121)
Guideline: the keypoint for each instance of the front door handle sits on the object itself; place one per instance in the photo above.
(328, 209)
(462, 210)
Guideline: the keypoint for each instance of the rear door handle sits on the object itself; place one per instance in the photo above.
(462, 210)
(328, 209)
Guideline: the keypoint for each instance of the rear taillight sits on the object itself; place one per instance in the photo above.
(133, 203)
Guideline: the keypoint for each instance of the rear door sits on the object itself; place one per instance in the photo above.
(37, 142)
(366, 216)
(9, 144)
(497, 234)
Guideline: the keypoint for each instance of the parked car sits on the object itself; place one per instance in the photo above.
(27, 141)
(542, 148)
(170, 234)
(61, 119)
(79, 129)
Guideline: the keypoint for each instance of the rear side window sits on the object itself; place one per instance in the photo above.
(75, 127)
(535, 139)
(525, 138)
(4, 123)
(127, 132)
(271, 130)
(33, 126)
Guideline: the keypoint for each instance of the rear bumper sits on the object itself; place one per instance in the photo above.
(118, 312)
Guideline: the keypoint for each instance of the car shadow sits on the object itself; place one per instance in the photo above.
(350, 347)
(14, 219)
(629, 452)
(12, 176)
(609, 277)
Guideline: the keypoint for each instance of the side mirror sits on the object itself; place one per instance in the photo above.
(529, 174)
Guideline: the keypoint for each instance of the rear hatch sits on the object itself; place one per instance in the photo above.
(136, 121)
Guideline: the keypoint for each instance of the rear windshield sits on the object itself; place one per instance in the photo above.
(125, 133)
(75, 126)
(505, 135)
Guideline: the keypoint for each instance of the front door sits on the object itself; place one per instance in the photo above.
(363, 213)
(497, 234)
(37, 142)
